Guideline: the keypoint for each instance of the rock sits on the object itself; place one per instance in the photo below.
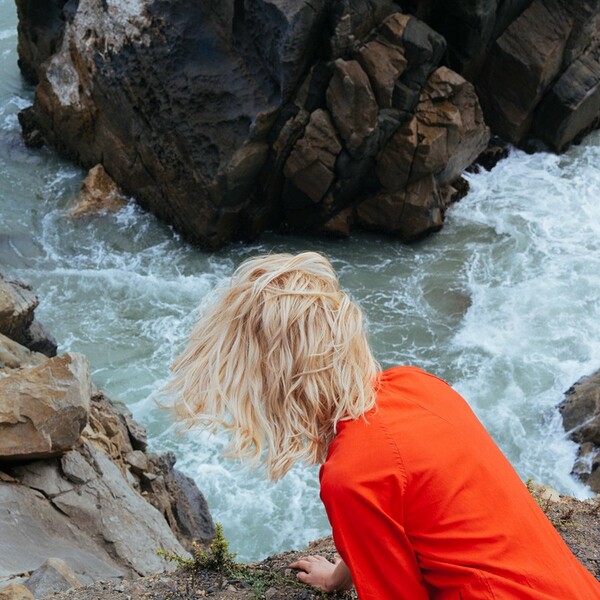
(451, 127)
(580, 411)
(383, 58)
(176, 112)
(351, 103)
(43, 409)
(310, 166)
(178, 499)
(572, 106)
(39, 340)
(409, 214)
(14, 356)
(15, 591)
(40, 34)
(32, 530)
(32, 136)
(521, 65)
(98, 193)
(54, 575)
(17, 305)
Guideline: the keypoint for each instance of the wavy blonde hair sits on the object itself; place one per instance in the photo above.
(277, 359)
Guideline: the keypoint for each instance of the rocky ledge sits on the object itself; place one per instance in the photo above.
(271, 579)
(228, 117)
(81, 497)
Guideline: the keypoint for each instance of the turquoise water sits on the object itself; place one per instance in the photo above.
(503, 303)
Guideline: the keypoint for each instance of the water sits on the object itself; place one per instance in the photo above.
(503, 303)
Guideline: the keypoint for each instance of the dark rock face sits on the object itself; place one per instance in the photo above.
(580, 412)
(224, 118)
(540, 78)
(228, 117)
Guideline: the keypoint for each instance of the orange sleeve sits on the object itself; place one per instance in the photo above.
(371, 541)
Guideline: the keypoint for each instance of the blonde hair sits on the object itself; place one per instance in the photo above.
(277, 359)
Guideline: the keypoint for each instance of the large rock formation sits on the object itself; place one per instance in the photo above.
(225, 118)
(580, 412)
(78, 489)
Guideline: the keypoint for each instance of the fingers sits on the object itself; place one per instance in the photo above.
(306, 562)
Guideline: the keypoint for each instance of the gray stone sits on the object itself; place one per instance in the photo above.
(54, 575)
(107, 508)
(31, 530)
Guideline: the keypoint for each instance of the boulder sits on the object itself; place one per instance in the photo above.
(98, 193)
(14, 356)
(44, 408)
(17, 305)
(54, 575)
(580, 411)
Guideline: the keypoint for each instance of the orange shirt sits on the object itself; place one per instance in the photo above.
(424, 505)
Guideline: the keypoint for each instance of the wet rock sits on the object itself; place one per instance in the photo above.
(580, 411)
(32, 136)
(43, 409)
(54, 575)
(98, 193)
(409, 214)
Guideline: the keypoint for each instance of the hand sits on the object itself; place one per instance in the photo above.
(324, 575)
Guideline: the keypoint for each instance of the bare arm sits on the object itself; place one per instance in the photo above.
(324, 575)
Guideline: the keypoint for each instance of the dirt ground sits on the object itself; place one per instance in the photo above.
(271, 579)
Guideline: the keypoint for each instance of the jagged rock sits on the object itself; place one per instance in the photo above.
(409, 214)
(351, 103)
(178, 499)
(580, 411)
(521, 65)
(15, 591)
(32, 136)
(17, 305)
(177, 109)
(310, 166)
(383, 59)
(14, 356)
(40, 34)
(54, 575)
(451, 127)
(572, 106)
(43, 409)
(98, 193)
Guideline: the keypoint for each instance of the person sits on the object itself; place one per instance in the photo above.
(421, 501)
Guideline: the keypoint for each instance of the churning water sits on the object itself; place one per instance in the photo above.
(504, 303)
